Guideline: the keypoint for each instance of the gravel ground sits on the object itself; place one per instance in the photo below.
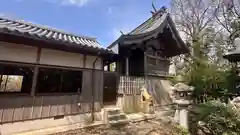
(152, 127)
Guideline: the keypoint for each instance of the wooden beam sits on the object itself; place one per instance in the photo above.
(174, 36)
(156, 57)
(45, 66)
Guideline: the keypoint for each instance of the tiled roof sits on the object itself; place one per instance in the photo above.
(22, 28)
(149, 25)
(153, 28)
(152, 23)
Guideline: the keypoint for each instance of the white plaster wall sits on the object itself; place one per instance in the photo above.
(115, 48)
(99, 64)
(91, 59)
(17, 52)
(61, 58)
(27, 54)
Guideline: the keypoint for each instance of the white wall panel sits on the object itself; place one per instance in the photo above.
(23, 53)
(17, 52)
(99, 64)
(91, 59)
(61, 58)
(115, 48)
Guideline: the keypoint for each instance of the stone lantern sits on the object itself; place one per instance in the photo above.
(182, 99)
(234, 56)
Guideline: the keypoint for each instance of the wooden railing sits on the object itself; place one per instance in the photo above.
(157, 71)
(129, 93)
(130, 85)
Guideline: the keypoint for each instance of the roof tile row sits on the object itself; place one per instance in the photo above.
(41, 32)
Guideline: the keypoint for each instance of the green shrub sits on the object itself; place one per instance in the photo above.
(181, 130)
(216, 118)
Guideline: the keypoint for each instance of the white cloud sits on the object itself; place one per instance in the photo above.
(79, 3)
(110, 10)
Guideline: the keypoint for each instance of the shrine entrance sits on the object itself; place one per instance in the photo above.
(110, 88)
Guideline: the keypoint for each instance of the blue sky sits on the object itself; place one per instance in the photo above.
(102, 19)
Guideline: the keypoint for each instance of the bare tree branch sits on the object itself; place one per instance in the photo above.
(223, 25)
(198, 23)
(203, 14)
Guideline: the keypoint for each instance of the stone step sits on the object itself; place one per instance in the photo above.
(120, 116)
(114, 111)
(118, 122)
(164, 111)
(113, 114)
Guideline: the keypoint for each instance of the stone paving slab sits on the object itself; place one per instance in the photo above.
(60, 129)
(151, 127)
(138, 125)
(135, 117)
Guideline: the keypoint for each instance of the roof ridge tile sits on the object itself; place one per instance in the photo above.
(45, 27)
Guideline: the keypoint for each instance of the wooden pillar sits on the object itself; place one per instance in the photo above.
(93, 93)
(147, 82)
(117, 75)
(35, 74)
(117, 67)
(127, 66)
(145, 66)
(108, 67)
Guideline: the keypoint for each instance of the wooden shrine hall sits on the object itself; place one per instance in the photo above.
(145, 53)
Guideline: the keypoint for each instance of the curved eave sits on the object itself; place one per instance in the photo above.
(114, 43)
(150, 34)
(183, 45)
(138, 38)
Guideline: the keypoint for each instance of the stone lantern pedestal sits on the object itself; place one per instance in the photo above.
(181, 114)
(182, 99)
